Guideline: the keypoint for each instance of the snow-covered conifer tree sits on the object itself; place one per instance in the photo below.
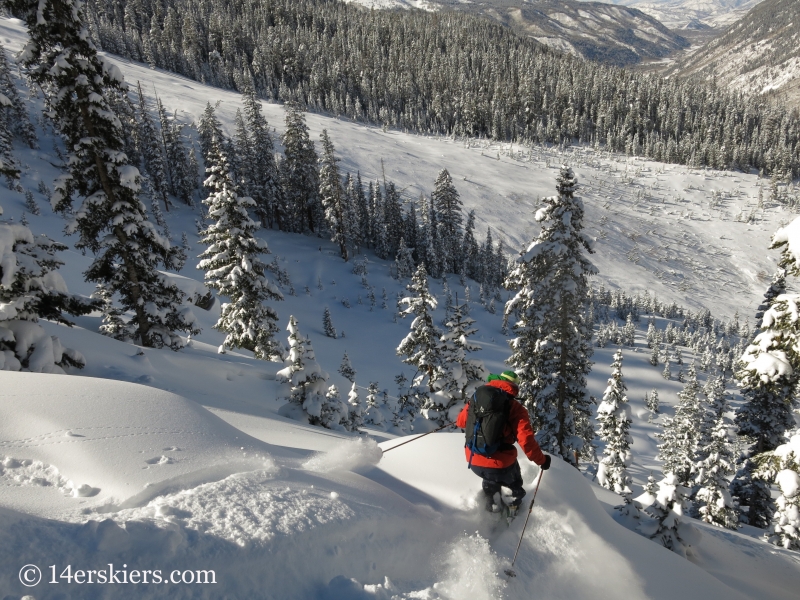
(768, 376)
(15, 111)
(404, 261)
(714, 472)
(332, 196)
(233, 265)
(112, 221)
(552, 348)
(346, 369)
(150, 146)
(681, 432)
(613, 416)
(782, 466)
(335, 412)
(447, 203)
(31, 288)
(327, 323)
(306, 378)
(420, 348)
(265, 185)
(208, 130)
(457, 375)
(663, 520)
(356, 408)
(298, 174)
(374, 415)
(651, 401)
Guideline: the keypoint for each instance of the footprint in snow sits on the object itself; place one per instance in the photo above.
(160, 460)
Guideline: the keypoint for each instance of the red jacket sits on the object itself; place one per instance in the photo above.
(517, 429)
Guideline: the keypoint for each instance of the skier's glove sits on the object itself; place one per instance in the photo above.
(546, 464)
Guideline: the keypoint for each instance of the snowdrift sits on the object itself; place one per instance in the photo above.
(76, 442)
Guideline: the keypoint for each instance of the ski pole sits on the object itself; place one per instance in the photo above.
(510, 571)
(418, 437)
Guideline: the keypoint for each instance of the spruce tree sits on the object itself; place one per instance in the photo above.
(346, 369)
(614, 418)
(151, 149)
(447, 204)
(208, 130)
(264, 185)
(768, 377)
(663, 519)
(32, 289)
(333, 196)
(233, 264)
(714, 472)
(327, 323)
(16, 112)
(356, 408)
(298, 174)
(681, 432)
(782, 465)
(111, 222)
(420, 348)
(552, 348)
(305, 377)
(457, 375)
(404, 261)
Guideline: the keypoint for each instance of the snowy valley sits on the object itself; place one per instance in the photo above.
(189, 474)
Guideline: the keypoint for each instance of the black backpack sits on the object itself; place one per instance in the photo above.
(487, 416)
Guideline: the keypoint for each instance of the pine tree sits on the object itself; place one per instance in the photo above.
(681, 432)
(613, 416)
(356, 408)
(327, 324)
(31, 289)
(374, 415)
(651, 401)
(9, 166)
(298, 174)
(180, 170)
(151, 151)
(782, 465)
(663, 520)
(233, 265)
(404, 261)
(112, 222)
(306, 378)
(470, 251)
(421, 346)
(552, 350)
(15, 112)
(208, 130)
(447, 204)
(346, 369)
(265, 185)
(457, 375)
(334, 413)
(713, 477)
(767, 375)
(333, 196)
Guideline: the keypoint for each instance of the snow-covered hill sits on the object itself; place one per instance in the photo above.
(180, 462)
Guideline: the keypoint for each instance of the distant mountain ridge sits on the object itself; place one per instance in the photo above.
(760, 54)
(611, 34)
(687, 15)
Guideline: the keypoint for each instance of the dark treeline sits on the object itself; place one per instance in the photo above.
(446, 73)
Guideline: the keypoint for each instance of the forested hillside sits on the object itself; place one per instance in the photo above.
(760, 54)
(446, 73)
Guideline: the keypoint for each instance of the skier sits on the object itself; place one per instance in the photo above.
(493, 421)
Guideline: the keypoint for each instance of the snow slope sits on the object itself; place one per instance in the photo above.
(214, 478)
(338, 525)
